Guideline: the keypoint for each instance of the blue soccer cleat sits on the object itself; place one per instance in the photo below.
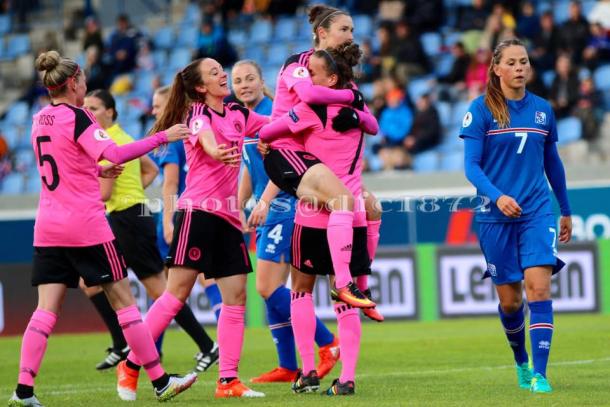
(524, 375)
(540, 384)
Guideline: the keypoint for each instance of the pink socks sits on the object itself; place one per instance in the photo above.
(350, 330)
(140, 341)
(34, 344)
(158, 318)
(372, 241)
(231, 325)
(340, 236)
(304, 328)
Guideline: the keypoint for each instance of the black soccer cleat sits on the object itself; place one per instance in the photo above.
(113, 358)
(206, 360)
(340, 389)
(306, 383)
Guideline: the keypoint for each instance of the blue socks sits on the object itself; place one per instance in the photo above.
(323, 335)
(159, 343)
(514, 327)
(215, 299)
(541, 333)
(281, 328)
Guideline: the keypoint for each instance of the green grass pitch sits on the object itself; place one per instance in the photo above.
(462, 362)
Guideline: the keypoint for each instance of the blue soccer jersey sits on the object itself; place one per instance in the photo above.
(512, 159)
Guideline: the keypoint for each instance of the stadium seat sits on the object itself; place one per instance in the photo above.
(187, 37)
(11, 135)
(444, 113)
(13, 184)
(160, 58)
(451, 140)
(560, 11)
(142, 82)
(270, 75)
(33, 184)
(452, 38)
(164, 38)
(301, 46)
(256, 53)
(367, 90)
(277, 54)
(432, 43)
(192, 15)
(426, 162)
(569, 130)
(18, 45)
(18, 113)
(443, 64)
(363, 26)
(459, 111)
(261, 31)
(548, 77)
(24, 159)
(418, 87)
(179, 58)
(453, 161)
(237, 37)
(285, 29)
(133, 128)
(601, 77)
(5, 23)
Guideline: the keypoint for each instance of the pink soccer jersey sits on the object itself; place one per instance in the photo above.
(341, 152)
(68, 143)
(211, 186)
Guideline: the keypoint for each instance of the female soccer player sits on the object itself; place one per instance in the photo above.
(135, 231)
(207, 237)
(72, 237)
(300, 173)
(340, 146)
(172, 162)
(273, 240)
(509, 136)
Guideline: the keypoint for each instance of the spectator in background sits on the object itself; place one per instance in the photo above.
(145, 60)
(96, 72)
(535, 84)
(5, 157)
(426, 132)
(212, 43)
(476, 75)
(383, 59)
(424, 15)
(597, 51)
(93, 35)
(394, 125)
(528, 23)
(588, 109)
(456, 78)
(122, 47)
(565, 87)
(369, 71)
(411, 60)
(546, 43)
(473, 17)
(600, 13)
(575, 32)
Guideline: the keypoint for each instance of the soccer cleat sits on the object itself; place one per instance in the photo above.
(175, 386)
(15, 401)
(206, 360)
(340, 389)
(372, 313)
(127, 382)
(329, 356)
(306, 383)
(351, 295)
(540, 384)
(235, 388)
(113, 358)
(524, 375)
(277, 375)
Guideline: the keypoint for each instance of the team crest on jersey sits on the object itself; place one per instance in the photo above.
(467, 119)
(101, 135)
(238, 126)
(196, 126)
(300, 72)
(540, 118)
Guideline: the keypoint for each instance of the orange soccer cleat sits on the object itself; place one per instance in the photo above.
(127, 381)
(351, 295)
(329, 356)
(235, 388)
(277, 375)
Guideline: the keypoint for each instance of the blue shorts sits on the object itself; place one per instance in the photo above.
(273, 241)
(510, 248)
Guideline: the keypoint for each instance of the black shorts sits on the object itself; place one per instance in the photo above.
(99, 264)
(136, 233)
(311, 255)
(285, 168)
(209, 244)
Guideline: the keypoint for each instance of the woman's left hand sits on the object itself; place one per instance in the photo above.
(565, 229)
(110, 171)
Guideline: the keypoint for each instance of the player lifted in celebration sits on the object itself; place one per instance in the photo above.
(207, 234)
(300, 173)
(510, 140)
(72, 237)
(273, 240)
(332, 133)
(135, 231)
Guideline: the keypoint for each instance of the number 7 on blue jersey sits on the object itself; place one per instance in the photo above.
(523, 137)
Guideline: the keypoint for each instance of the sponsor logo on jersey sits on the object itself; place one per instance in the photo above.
(467, 119)
(540, 118)
(196, 126)
(293, 116)
(100, 135)
(300, 72)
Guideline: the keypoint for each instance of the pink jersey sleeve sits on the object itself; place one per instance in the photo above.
(368, 122)
(197, 123)
(89, 134)
(255, 121)
(300, 118)
(295, 73)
